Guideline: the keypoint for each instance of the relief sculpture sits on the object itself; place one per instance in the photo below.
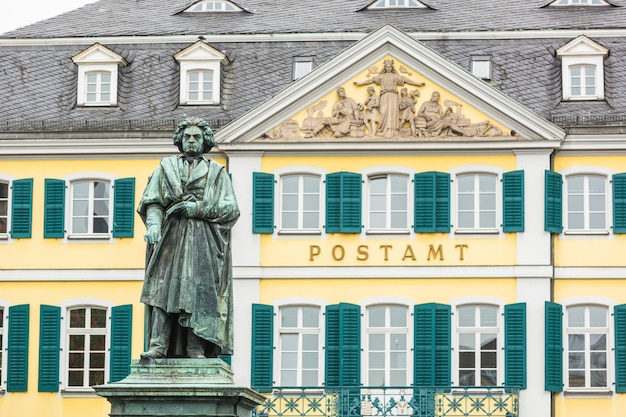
(385, 113)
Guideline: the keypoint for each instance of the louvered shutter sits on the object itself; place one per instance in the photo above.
(553, 347)
(121, 339)
(21, 208)
(619, 203)
(432, 345)
(619, 318)
(343, 345)
(123, 207)
(49, 348)
(515, 345)
(262, 346)
(343, 202)
(432, 202)
(513, 201)
(553, 202)
(262, 202)
(54, 209)
(17, 348)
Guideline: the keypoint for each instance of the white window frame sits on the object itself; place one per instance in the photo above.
(4, 332)
(70, 180)
(279, 174)
(565, 3)
(203, 7)
(465, 301)
(300, 302)
(582, 52)
(200, 57)
(610, 331)
(365, 331)
(588, 171)
(97, 59)
(454, 198)
(74, 391)
(477, 67)
(395, 4)
(302, 66)
(8, 180)
(387, 171)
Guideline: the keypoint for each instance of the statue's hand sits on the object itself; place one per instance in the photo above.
(153, 235)
(191, 208)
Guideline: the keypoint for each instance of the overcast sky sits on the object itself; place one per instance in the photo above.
(18, 13)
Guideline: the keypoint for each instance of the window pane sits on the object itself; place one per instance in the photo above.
(576, 316)
(96, 378)
(378, 202)
(290, 220)
(377, 378)
(100, 225)
(488, 378)
(97, 342)
(101, 208)
(290, 184)
(77, 317)
(488, 316)
(597, 221)
(378, 220)
(310, 220)
(289, 316)
(576, 221)
(467, 359)
(467, 341)
(96, 360)
(598, 360)
(98, 318)
(597, 341)
(399, 202)
(311, 202)
(576, 378)
(398, 360)
(487, 219)
(80, 208)
(76, 360)
(377, 342)
(289, 342)
(77, 342)
(309, 378)
(290, 202)
(309, 360)
(488, 359)
(487, 183)
(398, 341)
(487, 201)
(598, 379)
(466, 202)
(466, 183)
(376, 316)
(597, 316)
(289, 360)
(466, 316)
(378, 185)
(597, 203)
(377, 360)
(101, 189)
(75, 378)
(398, 378)
(467, 378)
(576, 202)
(576, 360)
(289, 378)
(310, 316)
(488, 341)
(398, 316)
(81, 189)
(4, 190)
(310, 342)
(466, 220)
(311, 184)
(398, 184)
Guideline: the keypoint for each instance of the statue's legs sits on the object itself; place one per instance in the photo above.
(196, 346)
(160, 331)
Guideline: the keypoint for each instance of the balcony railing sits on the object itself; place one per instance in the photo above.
(389, 401)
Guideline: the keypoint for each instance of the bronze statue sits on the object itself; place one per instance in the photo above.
(189, 207)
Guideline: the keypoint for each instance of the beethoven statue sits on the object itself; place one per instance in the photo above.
(188, 207)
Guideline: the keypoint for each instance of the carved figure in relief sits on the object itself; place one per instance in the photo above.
(372, 112)
(346, 118)
(389, 80)
(407, 108)
(438, 121)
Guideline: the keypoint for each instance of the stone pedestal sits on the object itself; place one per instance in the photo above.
(179, 388)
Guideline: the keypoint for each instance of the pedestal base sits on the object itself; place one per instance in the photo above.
(179, 388)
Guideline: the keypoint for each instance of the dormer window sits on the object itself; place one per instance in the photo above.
(395, 4)
(213, 6)
(579, 3)
(582, 69)
(302, 66)
(200, 67)
(97, 76)
(481, 67)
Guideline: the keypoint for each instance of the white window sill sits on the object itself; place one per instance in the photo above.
(582, 98)
(387, 232)
(4, 236)
(300, 232)
(586, 232)
(587, 392)
(200, 103)
(79, 392)
(98, 104)
(477, 231)
(105, 236)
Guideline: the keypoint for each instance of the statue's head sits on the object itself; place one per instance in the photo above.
(208, 140)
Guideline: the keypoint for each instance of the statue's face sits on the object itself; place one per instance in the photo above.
(192, 141)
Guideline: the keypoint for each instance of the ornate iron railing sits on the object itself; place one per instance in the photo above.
(389, 401)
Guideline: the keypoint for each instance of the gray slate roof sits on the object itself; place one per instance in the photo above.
(162, 17)
(39, 83)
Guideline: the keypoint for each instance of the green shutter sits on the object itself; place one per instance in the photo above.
(17, 353)
(553, 347)
(513, 201)
(619, 203)
(262, 346)
(121, 339)
(432, 202)
(49, 349)
(22, 208)
(515, 345)
(343, 345)
(54, 209)
(432, 345)
(620, 347)
(262, 202)
(553, 202)
(343, 202)
(124, 207)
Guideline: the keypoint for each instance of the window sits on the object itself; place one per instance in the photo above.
(213, 6)
(97, 76)
(477, 202)
(90, 212)
(587, 347)
(302, 66)
(86, 346)
(579, 3)
(4, 209)
(478, 345)
(200, 66)
(586, 203)
(388, 202)
(393, 4)
(200, 86)
(300, 200)
(300, 346)
(387, 345)
(481, 67)
(582, 69)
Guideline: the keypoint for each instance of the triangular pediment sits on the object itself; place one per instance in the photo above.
(98, 54)
(582, 45)
(420, 96)
(199, 51)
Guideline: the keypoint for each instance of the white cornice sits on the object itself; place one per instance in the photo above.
(315, 37)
